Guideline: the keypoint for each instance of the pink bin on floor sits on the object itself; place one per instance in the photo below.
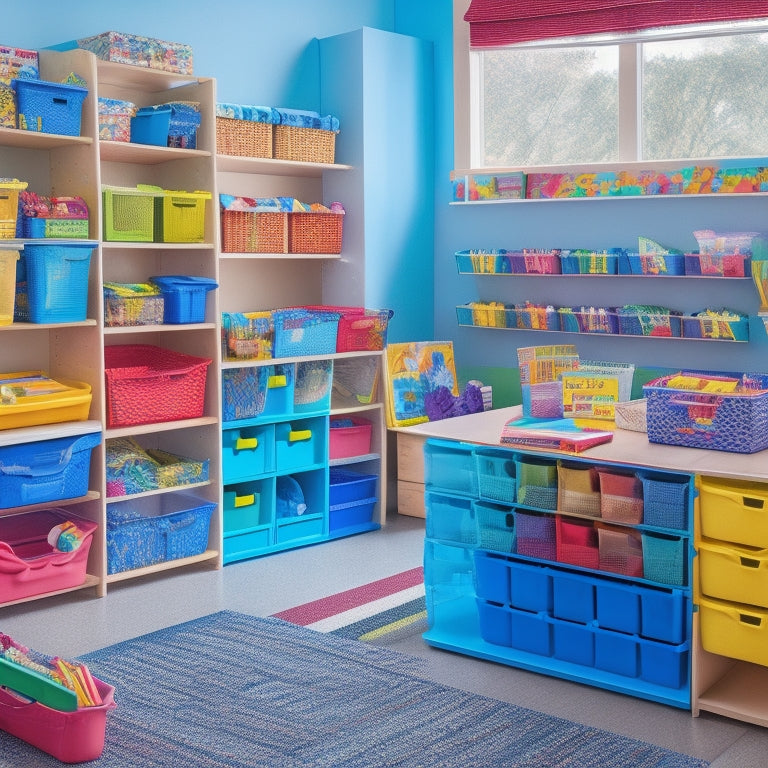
(72, 737)
(29, 565)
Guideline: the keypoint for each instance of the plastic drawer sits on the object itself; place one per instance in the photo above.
(495, 527)
(449, 565)
(665, 501)
(244, 507)
(302, 527)
(618, 653)
(239, 546)
(573, 597)
(736, 630)
(735, 511)
(576, 542)
(663, 664)
(537, 484)
(578, 490)
(664, 558)
(574, 643)
(450, 467)
(450, 519)
(733, 573)
(350, 515)
(496, 475)
(300, 444)
(247, 451)
(345, 486)
(536, 535)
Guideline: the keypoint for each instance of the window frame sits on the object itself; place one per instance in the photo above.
(468, 100)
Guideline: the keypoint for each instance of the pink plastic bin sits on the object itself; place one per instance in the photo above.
(28, 563)
(71, 737)
(352, 440)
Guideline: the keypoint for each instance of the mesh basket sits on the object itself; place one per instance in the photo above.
(251, 232)
(243, 138)
(495, 527)
(301, 332)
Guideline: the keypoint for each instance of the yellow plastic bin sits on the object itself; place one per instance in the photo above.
(733, 572)
(735, 630)
(9, 206)
(8, 261)
(734, 510)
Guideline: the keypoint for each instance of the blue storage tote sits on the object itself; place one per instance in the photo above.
(184, 297)
(450, 519)
(450, 466)
(46, 470)
(573, 596)
(665, 500)
(300, 332)
(574, 643)
(244, 508)
(345, 486)
(57, 281)
(351, 515)
(153, 529)
(49, 107)
(150, 125)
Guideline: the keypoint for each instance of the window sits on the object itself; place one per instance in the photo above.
(677, 93)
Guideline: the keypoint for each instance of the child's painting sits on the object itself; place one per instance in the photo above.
(418, 372)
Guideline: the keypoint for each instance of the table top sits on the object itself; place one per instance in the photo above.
(627, 447)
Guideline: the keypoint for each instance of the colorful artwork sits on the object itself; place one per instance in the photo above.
(417, 370)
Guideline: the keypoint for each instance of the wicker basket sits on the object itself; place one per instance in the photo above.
(308, 145)
(315, 232)
(251, 232)
(243, 138)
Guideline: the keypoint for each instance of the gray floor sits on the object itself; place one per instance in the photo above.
(77, 623)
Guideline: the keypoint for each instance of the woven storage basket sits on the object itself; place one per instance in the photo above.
(315, 232)
(252, 232)
(243, 138)
(308, 145)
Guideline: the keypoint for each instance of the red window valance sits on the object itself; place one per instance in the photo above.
(503, 22)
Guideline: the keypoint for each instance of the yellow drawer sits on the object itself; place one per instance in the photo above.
(734, 510)
(734, 630)
(734, 573)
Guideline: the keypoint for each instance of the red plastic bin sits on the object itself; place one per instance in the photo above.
(29, 565)
(349, 437)
(360, 329)
(71, 737)
(148, 384)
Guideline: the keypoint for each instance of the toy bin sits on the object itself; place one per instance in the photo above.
(709, 411)
(664, 558)
(247, 335)
(184, 297)
(665, 501)
(450, 466)
(734, 510)
(537, 483)
(536, 535)
(129, 213)
(243, 508)
(349, 436)
(9, 206)
(70, 737)
(29, 565)
(154, 529)
(359, 329)
(496, 475)
(315, 232)
(578, 490)
(36, 399)
(115, 119)
(57, 281)
(717, 264)
(307, 145)
(649, 321)
(248, 451)
(495, 527)
(49, 107)
(620, 550)
(146, 384)
(735, 630)
(254, 232)
(300, 444)
(128, 304)
(621, 497)
(301, 332)
(46, 470)
(266, 391)
(150, 125)
(576, 542)
(8, 261)
(59, 217)
(725, 325)
(652, 264)
(180, 216)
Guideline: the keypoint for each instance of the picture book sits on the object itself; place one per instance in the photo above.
(553, 434)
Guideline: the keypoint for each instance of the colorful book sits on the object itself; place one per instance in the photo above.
(553, 434)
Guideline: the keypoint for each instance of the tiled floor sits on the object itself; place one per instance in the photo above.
(77, 623)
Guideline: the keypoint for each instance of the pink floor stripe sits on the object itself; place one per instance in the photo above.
(351, 598)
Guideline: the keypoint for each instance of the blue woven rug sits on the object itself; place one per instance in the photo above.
(230, 690)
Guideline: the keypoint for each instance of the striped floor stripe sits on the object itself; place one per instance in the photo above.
(380, 603)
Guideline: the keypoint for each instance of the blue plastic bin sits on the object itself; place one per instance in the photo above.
(57, 281)
(150, 126)
(47, 470)
(184, 297)
(49, 107)
(345, 486)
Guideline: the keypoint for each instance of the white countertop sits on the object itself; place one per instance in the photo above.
(626, 447)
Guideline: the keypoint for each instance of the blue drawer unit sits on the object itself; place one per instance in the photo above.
(301, 444)
(450, 467)
(248, 451)
(47, 470)
(535, 602)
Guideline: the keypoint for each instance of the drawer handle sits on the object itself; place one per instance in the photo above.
(245, 501)
(273, 382)
(295, 435)
(246, 443)
(750, 501)
(749, 562)
(748, 618)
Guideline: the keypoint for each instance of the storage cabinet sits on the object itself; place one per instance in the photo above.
(519, 570)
